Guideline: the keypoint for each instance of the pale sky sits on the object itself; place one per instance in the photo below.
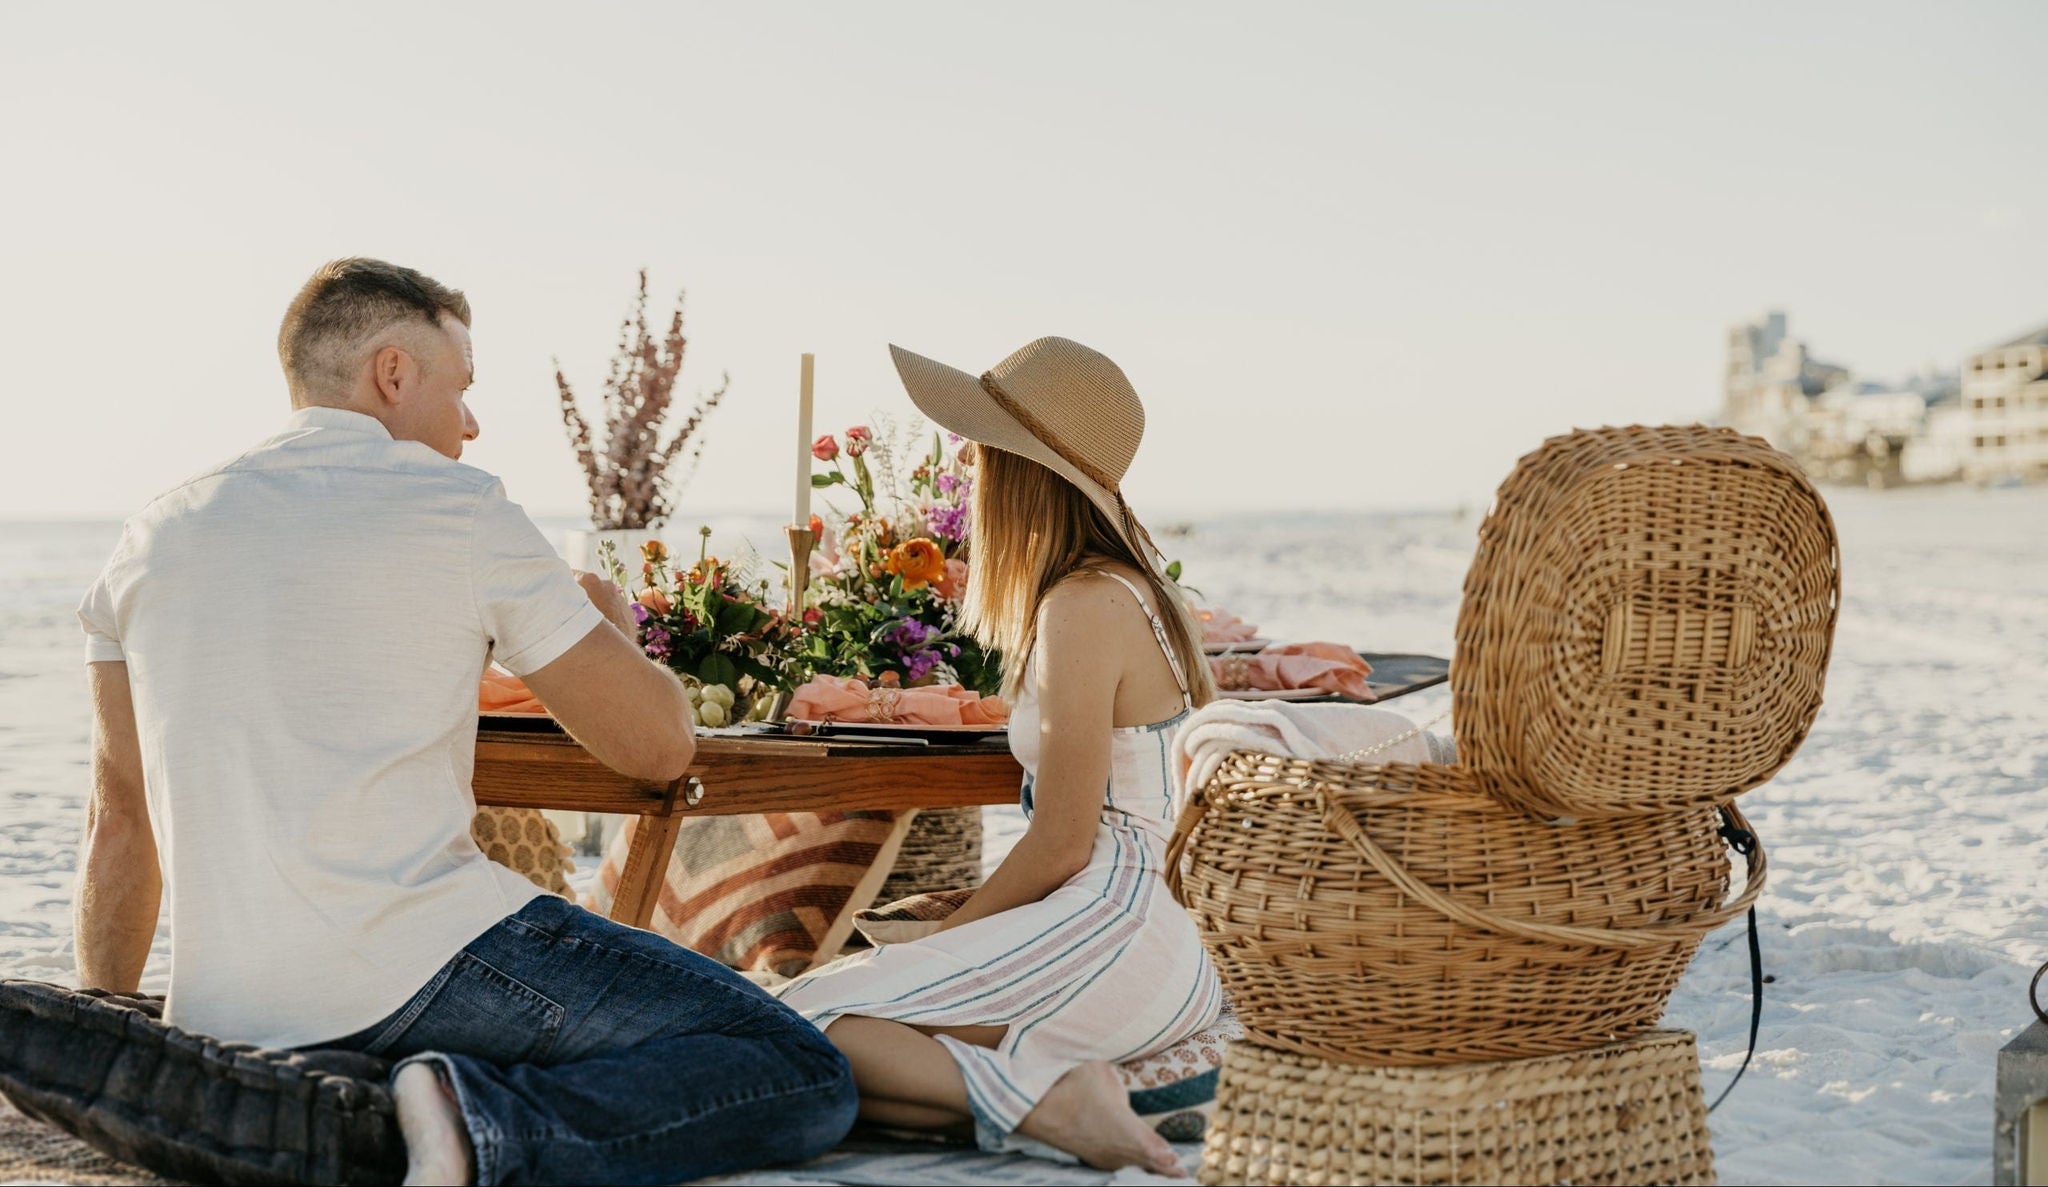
(1354, 256)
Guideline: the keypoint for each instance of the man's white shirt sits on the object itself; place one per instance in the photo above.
(304, 629)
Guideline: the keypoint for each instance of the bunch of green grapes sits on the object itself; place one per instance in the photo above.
(711, 704)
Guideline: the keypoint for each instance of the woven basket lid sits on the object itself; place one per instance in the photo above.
(1646, 623)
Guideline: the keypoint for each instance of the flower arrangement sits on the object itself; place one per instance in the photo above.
(712, 626)
(629, 472)
(887, 579)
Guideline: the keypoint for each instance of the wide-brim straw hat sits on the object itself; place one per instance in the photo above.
(1058, 403)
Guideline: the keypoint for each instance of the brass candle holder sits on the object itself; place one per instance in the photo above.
(801, 542)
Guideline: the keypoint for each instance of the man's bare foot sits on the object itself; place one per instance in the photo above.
(436, 1143)
(1088, 1114)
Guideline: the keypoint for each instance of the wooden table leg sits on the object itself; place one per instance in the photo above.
(654, 841)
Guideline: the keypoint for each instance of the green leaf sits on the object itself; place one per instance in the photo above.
(718, 669)
(1173, 571)
(819, 480)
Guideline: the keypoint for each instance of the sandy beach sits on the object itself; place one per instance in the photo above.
(1906, 907)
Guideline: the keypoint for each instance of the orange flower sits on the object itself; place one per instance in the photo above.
(656, 601)
(952, 582)
(919, 562)
(654, 552)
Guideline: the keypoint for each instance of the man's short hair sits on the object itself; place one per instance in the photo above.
(345, 303)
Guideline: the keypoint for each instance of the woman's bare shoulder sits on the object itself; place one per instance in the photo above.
(1090, 593)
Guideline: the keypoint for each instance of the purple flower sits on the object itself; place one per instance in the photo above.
(948, 523)
(655, 641)
(920, 665)
(641, 613)
(948, 483)
(909, 634)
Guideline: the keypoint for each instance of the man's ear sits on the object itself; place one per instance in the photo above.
(395, 373)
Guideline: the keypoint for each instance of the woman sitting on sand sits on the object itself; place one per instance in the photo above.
(1074, 955)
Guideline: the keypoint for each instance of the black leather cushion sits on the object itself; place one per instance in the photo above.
(105, 1068)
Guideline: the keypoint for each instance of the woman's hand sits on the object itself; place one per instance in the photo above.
(1080, 660)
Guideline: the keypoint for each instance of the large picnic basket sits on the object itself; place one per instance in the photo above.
(1644, 634)
(1398, 915)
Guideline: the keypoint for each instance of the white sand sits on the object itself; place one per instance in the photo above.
(1906, 907)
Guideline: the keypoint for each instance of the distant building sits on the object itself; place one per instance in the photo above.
(1838, 427)
(1770, 380)
(2005, 399)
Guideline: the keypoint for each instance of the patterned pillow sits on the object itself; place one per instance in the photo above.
(1175, 1090)
(525, 842)
(773, 892)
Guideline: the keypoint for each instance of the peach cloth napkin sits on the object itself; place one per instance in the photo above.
(847, 698)
(1221, 626)
(1331, 667)
(502, 692)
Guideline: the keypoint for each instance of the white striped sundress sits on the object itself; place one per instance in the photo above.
(1108, 966)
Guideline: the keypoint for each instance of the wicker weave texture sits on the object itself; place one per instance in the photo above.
(1397, 915)
(1626, 1112)
(942, 851)
(1647, 621)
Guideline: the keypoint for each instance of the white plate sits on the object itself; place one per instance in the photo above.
(1253, 644)
(1273, 694)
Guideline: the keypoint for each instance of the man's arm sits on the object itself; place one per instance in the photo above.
(120, 884)
(623, 707)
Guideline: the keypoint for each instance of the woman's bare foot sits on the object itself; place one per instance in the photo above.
(1088, 1114)
(436, 1143)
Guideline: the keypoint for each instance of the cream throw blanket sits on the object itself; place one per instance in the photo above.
(1292, 730)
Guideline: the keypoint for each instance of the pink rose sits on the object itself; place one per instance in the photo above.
(857, 439)
(953, 582)
(825, 448)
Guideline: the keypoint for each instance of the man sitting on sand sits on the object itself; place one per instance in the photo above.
(284, 657)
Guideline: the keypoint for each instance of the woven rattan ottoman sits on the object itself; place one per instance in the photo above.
(942, 851)
(1627, 1112)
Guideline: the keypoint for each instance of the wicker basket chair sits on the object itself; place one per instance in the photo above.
(1399, 916)
(1646, 623)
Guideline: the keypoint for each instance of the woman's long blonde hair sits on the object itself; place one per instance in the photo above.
(1031, 530)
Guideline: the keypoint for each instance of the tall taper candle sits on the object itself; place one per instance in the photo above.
(803, 448)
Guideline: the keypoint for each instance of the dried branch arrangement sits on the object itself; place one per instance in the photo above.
(632, 483)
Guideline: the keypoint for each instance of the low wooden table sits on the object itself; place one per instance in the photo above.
(538, 766)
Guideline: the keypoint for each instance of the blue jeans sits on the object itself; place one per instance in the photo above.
(582, 1050)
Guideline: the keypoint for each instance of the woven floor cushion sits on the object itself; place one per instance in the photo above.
(1626, 1112)
(105, 1068)
(942, 850)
